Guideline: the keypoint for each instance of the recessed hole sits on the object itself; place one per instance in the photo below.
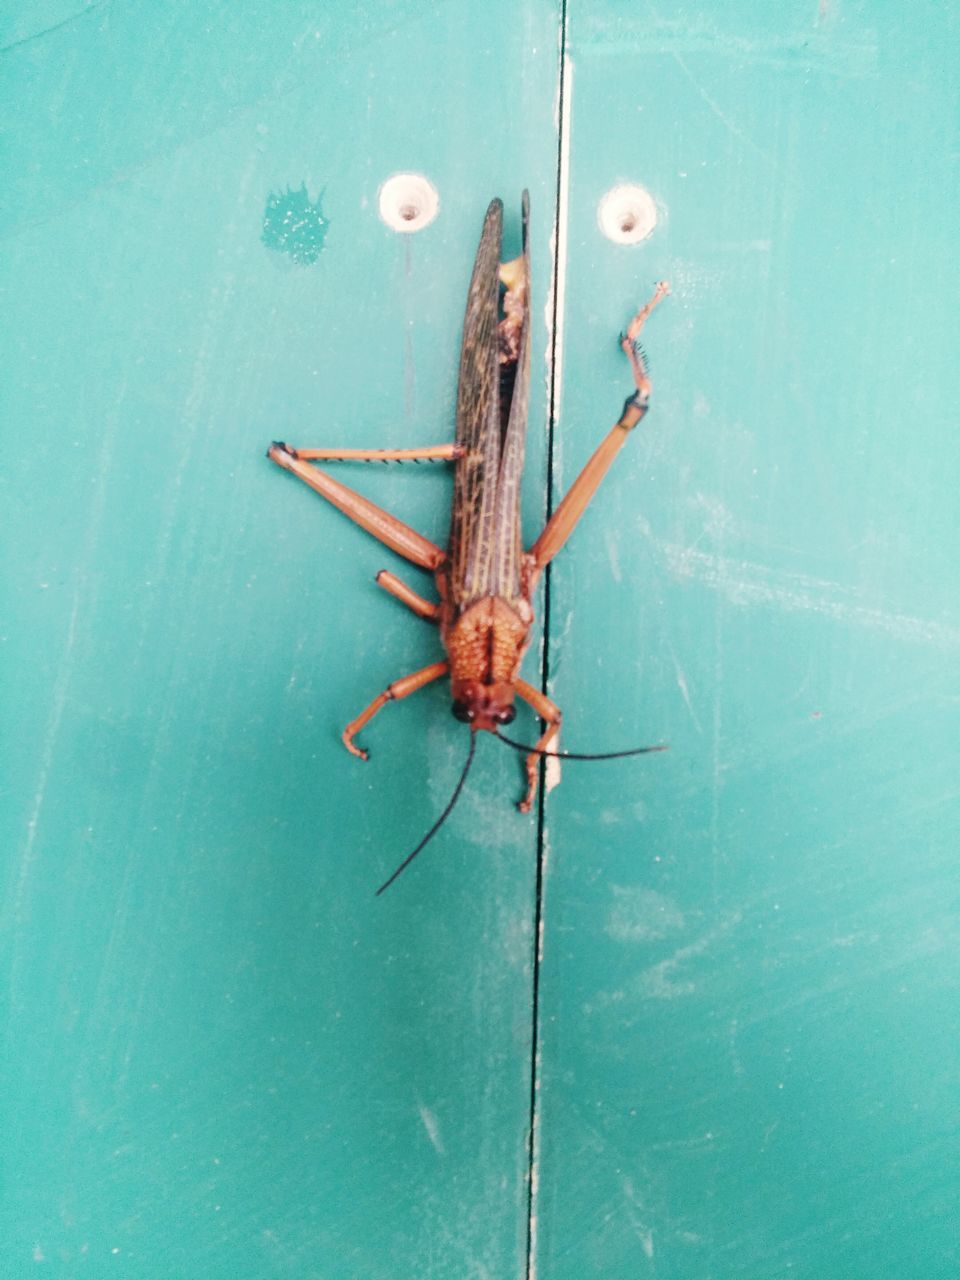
(408, 202)
(627, 214)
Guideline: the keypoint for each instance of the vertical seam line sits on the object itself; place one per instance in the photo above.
(533, 1149)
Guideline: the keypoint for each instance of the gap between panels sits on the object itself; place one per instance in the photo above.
(559, 238)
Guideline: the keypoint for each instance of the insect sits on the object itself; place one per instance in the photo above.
(485, 579)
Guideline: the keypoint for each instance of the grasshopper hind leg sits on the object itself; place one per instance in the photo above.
(385, 527)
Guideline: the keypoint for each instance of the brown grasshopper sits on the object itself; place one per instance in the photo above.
(485, 580)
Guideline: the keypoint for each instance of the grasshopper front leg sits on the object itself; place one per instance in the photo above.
(401, 688)
(551, 713)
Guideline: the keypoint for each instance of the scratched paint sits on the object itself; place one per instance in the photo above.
(198, 996)
(781, 572)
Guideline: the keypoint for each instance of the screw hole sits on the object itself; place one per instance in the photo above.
(627, 214)
(408, 202)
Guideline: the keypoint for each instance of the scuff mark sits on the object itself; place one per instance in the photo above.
(735, 1059)
(744, 582)
(479, 822)
(640, 1229)
(50, 739)
(657, 981)
(820, 50)
(432, 1128)
(641, 915)
(768, 1133)
(613, 555)
(721, 116)
(83, 596)
(718, 521)
(682, 685)
(685, 693)
(717, 736)
(54, 27)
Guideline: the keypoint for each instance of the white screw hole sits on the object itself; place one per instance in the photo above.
(408, 202)
(627, 214)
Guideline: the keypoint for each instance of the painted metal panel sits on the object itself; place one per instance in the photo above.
(749, 993)
(222, 1056)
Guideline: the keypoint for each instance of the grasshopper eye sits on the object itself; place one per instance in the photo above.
(507, 715)
(462, 712)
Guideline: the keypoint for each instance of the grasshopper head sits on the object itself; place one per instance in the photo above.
(483, 706)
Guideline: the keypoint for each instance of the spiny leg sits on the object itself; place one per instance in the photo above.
(397, 689)
(631, 349)
(424, 453)
(392, 532)
(551, 713)
(567, 515)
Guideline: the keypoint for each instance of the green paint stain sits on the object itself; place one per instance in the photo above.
(294, 225)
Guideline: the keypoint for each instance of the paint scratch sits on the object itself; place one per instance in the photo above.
(432, 1128)
(613, 555)
(54, 27)
(641, 915)
(746, 583)
(721, 116)
(658, 981)
(634, 1208)
(824, 50)
(684, 690)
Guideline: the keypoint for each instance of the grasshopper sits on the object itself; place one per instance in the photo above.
(485, 580)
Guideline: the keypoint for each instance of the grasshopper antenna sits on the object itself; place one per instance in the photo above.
(439, 822)
(580, 755)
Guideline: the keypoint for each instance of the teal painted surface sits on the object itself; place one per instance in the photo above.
(221, 1056)
(749, 1002)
